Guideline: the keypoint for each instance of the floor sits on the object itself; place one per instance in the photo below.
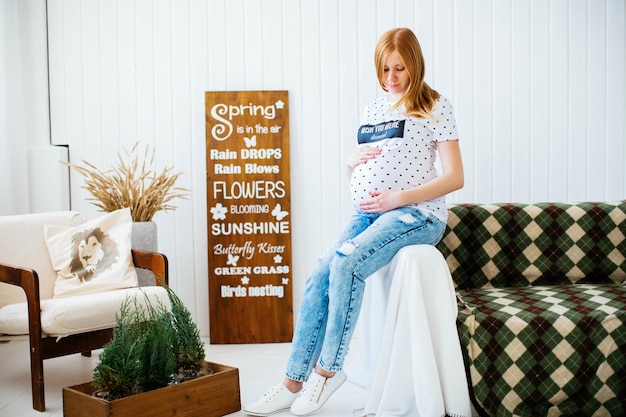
(260, 367)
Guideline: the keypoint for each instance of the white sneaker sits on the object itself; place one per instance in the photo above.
(277, 399)
(315, 393)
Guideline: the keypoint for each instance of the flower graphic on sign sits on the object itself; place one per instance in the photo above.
(219, 212)
(245, 280)
(280, 104)
(279, 213)
(250, 142)
(278, 259)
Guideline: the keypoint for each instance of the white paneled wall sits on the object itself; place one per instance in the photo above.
(538, 86)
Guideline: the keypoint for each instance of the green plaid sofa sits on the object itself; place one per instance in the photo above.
(542, 306)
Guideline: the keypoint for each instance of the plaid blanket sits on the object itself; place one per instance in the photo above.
(542, 307)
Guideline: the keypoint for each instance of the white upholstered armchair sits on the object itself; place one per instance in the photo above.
(68, 323)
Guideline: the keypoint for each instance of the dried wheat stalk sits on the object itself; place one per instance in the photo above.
(131, 183)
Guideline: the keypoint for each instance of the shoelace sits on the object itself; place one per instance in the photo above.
(274, 391)
(311, 388)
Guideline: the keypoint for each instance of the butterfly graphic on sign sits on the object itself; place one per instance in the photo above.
(250, 142)
(232, 259)
(279, 213)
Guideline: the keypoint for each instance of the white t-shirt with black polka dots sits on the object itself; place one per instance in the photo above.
(408, 152)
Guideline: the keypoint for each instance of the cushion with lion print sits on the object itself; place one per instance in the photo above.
(94, 256)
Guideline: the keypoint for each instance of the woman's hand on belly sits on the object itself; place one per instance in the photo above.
(361, 155)
(382, 201)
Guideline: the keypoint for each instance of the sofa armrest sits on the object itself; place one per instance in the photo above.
(155, 262)
(29, 281)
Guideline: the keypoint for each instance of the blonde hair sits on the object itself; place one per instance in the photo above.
(418, 99)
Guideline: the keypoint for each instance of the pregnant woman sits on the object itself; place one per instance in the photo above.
(398, 199)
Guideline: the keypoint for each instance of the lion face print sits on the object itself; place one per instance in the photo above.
(93, 251)
(90, 253)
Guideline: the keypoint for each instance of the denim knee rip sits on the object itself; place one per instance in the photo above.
(347, 248)
(407, 218)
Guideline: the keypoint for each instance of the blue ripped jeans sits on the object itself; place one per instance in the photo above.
(334, 291)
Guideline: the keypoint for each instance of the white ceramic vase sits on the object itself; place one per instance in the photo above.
(144, 237)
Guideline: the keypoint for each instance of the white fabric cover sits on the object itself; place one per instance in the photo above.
(22, 244)
(77, 314)
(94, 256)
(409, 356)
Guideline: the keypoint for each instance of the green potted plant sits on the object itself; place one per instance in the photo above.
(187, 345)
(140, 357)
(155, 364)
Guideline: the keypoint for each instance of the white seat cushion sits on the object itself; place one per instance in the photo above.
(78, 314)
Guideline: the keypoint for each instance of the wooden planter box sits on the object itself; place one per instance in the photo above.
(213, 395)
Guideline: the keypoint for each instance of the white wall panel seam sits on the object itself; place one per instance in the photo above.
(190, 98)
(606, 167)
(475, 100)
(550, 101)
(492, 65)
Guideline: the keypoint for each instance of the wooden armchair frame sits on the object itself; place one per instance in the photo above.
(46, 347)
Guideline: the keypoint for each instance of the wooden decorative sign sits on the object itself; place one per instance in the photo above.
(249, 218)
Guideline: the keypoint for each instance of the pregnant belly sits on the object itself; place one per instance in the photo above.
(366, 179)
